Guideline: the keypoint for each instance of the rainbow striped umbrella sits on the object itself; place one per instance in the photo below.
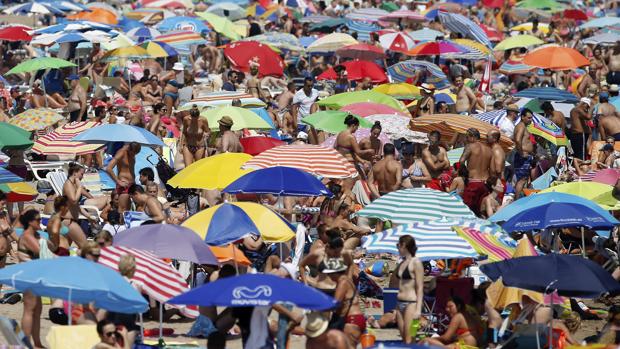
(401, 72)
(59, 141)
(159, 49)
(494, 244)
(515, 67)
(7, 176)
(19, 191)
(36, 119)
(180, 39)
(540, 126)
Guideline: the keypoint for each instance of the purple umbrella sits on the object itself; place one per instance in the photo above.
(167, 241)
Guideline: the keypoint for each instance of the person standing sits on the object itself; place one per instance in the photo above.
(77, 100)
(304, 104)
(465, 98)
(195, 135)
(477, 155)
(386, 174)
(580, 130)
(524, 147)
(124, 177)
(436, 160)
(410, 274)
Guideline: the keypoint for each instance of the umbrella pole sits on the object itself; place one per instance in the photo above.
(583, 244)
(43, 86)
(70, 320)
(235, 258)
(161, 321)
(141, 326)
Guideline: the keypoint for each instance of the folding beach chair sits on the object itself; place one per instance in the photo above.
(13, 335)
(57, 180)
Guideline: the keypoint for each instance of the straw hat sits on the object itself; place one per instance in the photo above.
(512, 107)
(427, 87)
(226, 121)
(334, 265)
(316, 324)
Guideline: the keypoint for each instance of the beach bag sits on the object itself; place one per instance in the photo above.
(165, 172)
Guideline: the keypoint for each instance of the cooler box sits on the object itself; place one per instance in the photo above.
(390, 299)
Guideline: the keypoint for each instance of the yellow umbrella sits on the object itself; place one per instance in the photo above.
(121, 40)
(214, 172)
(543, 27)
(473, 44)
(399, 90)
(132, 52)
(600, 193)
(36, 119)
(331, 42)
(221, 25)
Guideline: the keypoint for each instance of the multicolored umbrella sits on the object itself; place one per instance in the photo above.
(131, 53)
(7, 176)
(141, 34)
(397, 127)
(315, 159)
(213, 172)
(159, 49)
(540, 126)
(40, 63)
(99, 15)
(416, 205)
(243, 54)
(370, 108)
(425, 34)
(439, 47)
(397, 41)
(363, 29)
(36, 119)
(372, 15)
(181, 39)
(331, 42)
(19, 191)
(404, 14)
(340, 100)
(32, 8)
(221, 25)
(59, 141)
(458, 23)
(242, 118)
(258, 144)
(523, 40)
(548, 94)
(475, 50)
(182, 24)
(14, 137)
(332, 121)
(361, 51)
(510, 67)
(496, 246)
(357, 70)
(556, 58)
(406, 70)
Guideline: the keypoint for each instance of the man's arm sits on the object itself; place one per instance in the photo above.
(371, 185)
(472, 98)
(466, 153)
(399, 177)
(428, 160)
(110, 168)
(601, 129)
(155, 209)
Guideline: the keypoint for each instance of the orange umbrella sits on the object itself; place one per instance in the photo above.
(230, 253)
(555, 58)
(98, 15)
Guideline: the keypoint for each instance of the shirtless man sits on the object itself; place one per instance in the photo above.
(365, 84)
(498, 156)
(557, 117)
(228, 141)
(195, 135)
(125, 161)
(319, 336)
(613, 77)
(77, 100)
(285, 103)
(386, 174)
(608, 120)
(436, 160)
(477, 156)
(523, 152)
(253, 83)
(74, 191)
(580, 131)
(151, 206)
(465, 98)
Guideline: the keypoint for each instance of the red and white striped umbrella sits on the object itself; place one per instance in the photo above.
(315, 159)
(404, 14)
(398, 41)
(156, 277)
(58, 142)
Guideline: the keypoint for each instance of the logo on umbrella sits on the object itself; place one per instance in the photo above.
(189, 26)
(246, 296)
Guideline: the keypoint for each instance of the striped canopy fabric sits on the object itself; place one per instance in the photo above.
(181, 40)
(363, 29)
(315, 159)
(540, 125)
(510, 67)
(473, 50)
(435, 239)
(460, 24)
(372, 15)
(416, 205)
(217, 99)
(495, 245)
(425, 34)
(548, 94)
(59, 141)
(157, 278)
(402, 71)
(7, 176)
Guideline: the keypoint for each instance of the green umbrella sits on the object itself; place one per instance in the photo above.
(242, 118)
(534, 105)
(518, 41)
(389, 6)
(550, 5)
(40, 63)
(342, 99)
(332, 121)
(221, 25)
(14, 137)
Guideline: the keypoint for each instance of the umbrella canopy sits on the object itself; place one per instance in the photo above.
(363, 29)
(574, 14)
(243, 54)
(99, 15)
(496, 246)
(367, 14)
(523, 40)
(33, 8)
(525, 27)
(36, 119)
(224, 98)
(314, 159)
(230, 253)
(143, 33)
(404, 14)
(255, 290)
(331, 42)
(599, 193)
(401, 90)
(556, 58)
(439, 47)
(607, 39)
(540, 126)
(406, 70)
(327, 25)
(227, 9)
(242, 118)
(425, 34)
(182, 23)
(7, 176)
(15, 33)
(458, 23)
(571, 276)
(510, 67)
(284, 41)
(396, 127)
(228, 222)
(213, 172)
(77, 280)
(59, 141)
(221, 25)
(548, 94)
(553, 210)
(280, 181)
(258, 144)
(167, 241)
(19, 191)
(181, 40)
(601, 22)
(118, 133)
(550, 5)
(397, 41)
(40, 63)
(14, 137)
(357, 70)
(361, 51)
(415, 205)
(370, 108)
(492, 33)
(607, 176)
(343, 99)
(132, 52)
(332, 121)
(159, 49)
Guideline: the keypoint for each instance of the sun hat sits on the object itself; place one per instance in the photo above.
(178, 66)
(512, 107)
(334, 265)
(226, 121)
(316, 324)
(586, 100)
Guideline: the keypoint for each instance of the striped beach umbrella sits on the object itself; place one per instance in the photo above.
(396, 41)
(425, 34)
(18, 191)
(404, 14)
(141, 34)
(472, 50)
(435, 48)
(548, 94)
(7, 176)
(181, 39)
(36, 119)
(416, 205)
(460, 24)
(510, 67)
(331, 42)
(496, 246)
(159, 49)
(403, 71)
(315, 159)
(372, 15)
(540, 125)
(32, 8)
(362, 28)
(59, 141)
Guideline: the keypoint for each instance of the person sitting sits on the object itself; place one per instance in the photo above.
(150, 205)
(111, 337)
(461, 329)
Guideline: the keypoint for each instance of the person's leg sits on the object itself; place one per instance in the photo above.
(407, 318)
(98, 201)
(199, 154)
(36, 322)
(30, 305)
(188, 156)
(400, 323)
(354, 334)
(76, 234)
(169, 102)
(124, 203)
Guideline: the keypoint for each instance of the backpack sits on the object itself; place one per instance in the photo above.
(165, 172)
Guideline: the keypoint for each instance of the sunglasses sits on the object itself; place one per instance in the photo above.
(109, 334)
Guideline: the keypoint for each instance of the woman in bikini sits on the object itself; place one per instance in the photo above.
(373, 143)
(151, 91)
(461, 329)
(347, 145)
(417, 174)
(195, 135)
(74, 191)
(174, 81)
(426, 105)
(58, 230)
(410, 274)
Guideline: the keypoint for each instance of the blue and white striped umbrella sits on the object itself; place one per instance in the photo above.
(372, 15)
(315, 19)
(363, 29)
(460, 24)
(402, 71)
(141, 34)
(425, 34)
(71, 37)
(63, 5)
(607, 39)
(33, 7)
(435, 239)
(495, 117)
(601, 22)
(548, 94)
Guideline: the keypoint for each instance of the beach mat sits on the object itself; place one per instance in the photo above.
(72, 337)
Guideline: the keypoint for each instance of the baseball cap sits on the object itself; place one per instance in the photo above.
(586, 100)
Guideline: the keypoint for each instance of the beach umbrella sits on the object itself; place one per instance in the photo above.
(549, 5)
(397, 41)
(19, 191)
(213, 172)
(342, 99)
(36, 119)
(458, 23)
(523, 40)
(359, 135)
(241, 117)
(258, 144)
(101, 5)
(314, 159)
(131, 53)
(170, 4)
(607, 176)
(548, 94)
(283, 41)
(14, 137)
(33, 8)
(400, 90)
(7, 176)
(553, 210)
(331, 42)
(540, 125)
(221, 25)
(397, 127)
(230, 222)
(15, 33)
(159, 49)
(473, 50)
(181, 40)
(425, 34)
(141, 34)
(76, 280)
(256, 290)
(314, 19)
(167, 241)
(492, 33)
(406, 70)
(556, 58)
(415, 205)
(601, 22)
(357, 70)
(526, 27)
(182, 23)
(372, 14)
(607, 39)
(362, 28)
(228, 10)
(230, 253)
(40, 63)
(440, 47)
(118, 133)
(66, 6)
(279, 181)
(510, 67)
(574, 14)
(404, 14)
(58, 142)
(496, 246)
(599, 193)
(361, 51)
(327, 25)
(570, 276)
(96, 14)
(332, 121)
(370, 108)
(224, 98)
(243, 54)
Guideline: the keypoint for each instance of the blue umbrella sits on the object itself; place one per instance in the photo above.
(432, 14)
(7, 176)
(306, 41)
(33, 7)
(280, 181)
(141, 34)
(553, 210)
(273, 132)
(601, 22)
(571, 276)
(71, 37)
(65, 5)
(182, 23)
(118, 133)
(363, 29)
(251, 290)
(460, 24)
(73, 25)
(126, 24)
(444, 97)
(77, 280)
(548, 94)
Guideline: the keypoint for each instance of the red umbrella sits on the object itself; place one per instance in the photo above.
(575, 14)
(15, 33)
(258, 144)
(244, 53)
(358, 70)
(369, 108)
(361, 51)
(492, 33)
(493, 3)
(434, 48)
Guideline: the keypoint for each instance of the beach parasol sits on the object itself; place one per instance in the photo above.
(141, 34)
(492, 33)
(182, 23)
(332, 121)
(357, 70)
(328, 25)
(229, 222)
(607, 176)
(284, 41)
(495, 245)
(7, 176)
(279, 181)
(19, 191)
(601, 23)
(574, 14)
(33, 8)
(241, 117)
(400, 90)
(458, 23)
(523, 40)
(258, 144)
(213, 172)
(243, 54)
(14, 137)
(556, 58)
(159, 49)
(58, 142)
(527, 27)
(40, 63)
(540, 126)
(361, 51)
(436, 48)
(224, 98)
(362, 28)
(181, 40)
(230, 253)
(510, 67)
(404, 14)
(425, 34)
(331, 42)
(118, 133)
(228, 10)
(607, 39)
(397, 41)
(548, 94)
(36, 119)
(99, 15)
(407, 70)
(397, 127)
(415, 205)
(131, 53)
(221, 25)
(599, 193)
(549, 5)
(340, 100)
(15, 33)
(367, 14)
(318, 160)
(370, 108)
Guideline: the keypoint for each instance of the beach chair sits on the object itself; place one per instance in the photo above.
(57, 180)
(45, 166)
(13, 335)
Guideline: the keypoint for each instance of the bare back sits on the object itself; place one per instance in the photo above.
(479, 161)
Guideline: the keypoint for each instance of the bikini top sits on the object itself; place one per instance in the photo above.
(406, 275)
